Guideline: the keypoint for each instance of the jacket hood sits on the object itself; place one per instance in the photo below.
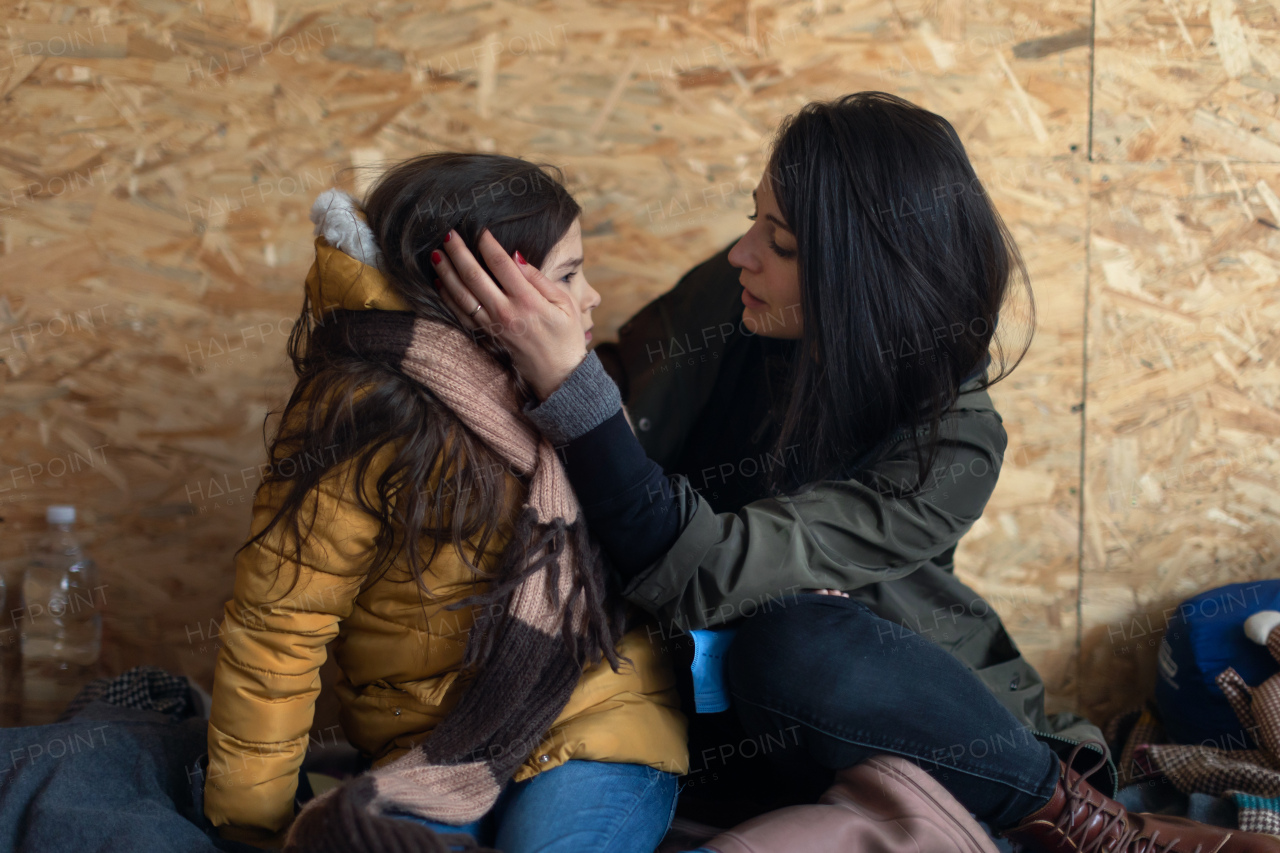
(345, 272)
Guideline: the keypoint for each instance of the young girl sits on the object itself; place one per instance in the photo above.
(411, 516)
(818, 392)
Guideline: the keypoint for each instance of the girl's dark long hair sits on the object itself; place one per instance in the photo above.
(905, 266)
(346, 409)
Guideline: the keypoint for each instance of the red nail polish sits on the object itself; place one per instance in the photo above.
(446, 236)
(520, 257)
(435, 257)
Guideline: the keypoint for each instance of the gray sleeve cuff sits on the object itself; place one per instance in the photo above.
(586, 399)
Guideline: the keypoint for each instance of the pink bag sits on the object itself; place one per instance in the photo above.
(886, 804)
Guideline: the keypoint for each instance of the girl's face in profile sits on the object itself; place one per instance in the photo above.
(564, 265)
(770, 276)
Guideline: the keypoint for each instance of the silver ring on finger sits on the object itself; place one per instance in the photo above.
(475, 311)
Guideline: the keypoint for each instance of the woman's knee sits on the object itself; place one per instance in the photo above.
(787, 645)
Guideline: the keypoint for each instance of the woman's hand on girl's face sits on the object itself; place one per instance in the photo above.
(537, 319)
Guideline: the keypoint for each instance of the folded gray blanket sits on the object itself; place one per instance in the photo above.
(110, 778)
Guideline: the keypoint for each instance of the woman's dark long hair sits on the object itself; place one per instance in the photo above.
(904, 267)
(348, 409)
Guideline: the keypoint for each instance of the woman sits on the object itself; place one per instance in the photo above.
(403, 487)
(853, 376)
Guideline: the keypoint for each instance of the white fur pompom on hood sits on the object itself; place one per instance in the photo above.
(343, 225)
(347, 272)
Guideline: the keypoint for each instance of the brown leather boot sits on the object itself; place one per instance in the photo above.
(1081, 819)
(885, 804)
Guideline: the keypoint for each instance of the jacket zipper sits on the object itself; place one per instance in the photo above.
(1114, 773)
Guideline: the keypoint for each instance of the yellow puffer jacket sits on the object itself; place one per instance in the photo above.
(399, 660)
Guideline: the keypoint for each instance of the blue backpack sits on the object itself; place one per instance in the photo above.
(1204, 637)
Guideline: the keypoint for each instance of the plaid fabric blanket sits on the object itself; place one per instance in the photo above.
(146, 687)
(1248, 777)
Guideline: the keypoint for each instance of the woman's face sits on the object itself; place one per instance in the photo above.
(770, 276)
(564, 265)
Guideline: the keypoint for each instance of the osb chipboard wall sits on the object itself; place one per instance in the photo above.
(1181, 413)
(1183, 388)
(160, 158)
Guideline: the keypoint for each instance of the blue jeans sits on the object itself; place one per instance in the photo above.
(817, 687)
(578, 807)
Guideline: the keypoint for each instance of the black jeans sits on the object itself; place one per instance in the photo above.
(822, 683)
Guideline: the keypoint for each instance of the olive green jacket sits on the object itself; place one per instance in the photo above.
(894, 554)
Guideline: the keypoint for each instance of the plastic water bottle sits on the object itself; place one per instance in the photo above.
(61, 623)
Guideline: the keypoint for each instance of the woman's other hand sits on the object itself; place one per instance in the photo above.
(535, 318)
(828, 592)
